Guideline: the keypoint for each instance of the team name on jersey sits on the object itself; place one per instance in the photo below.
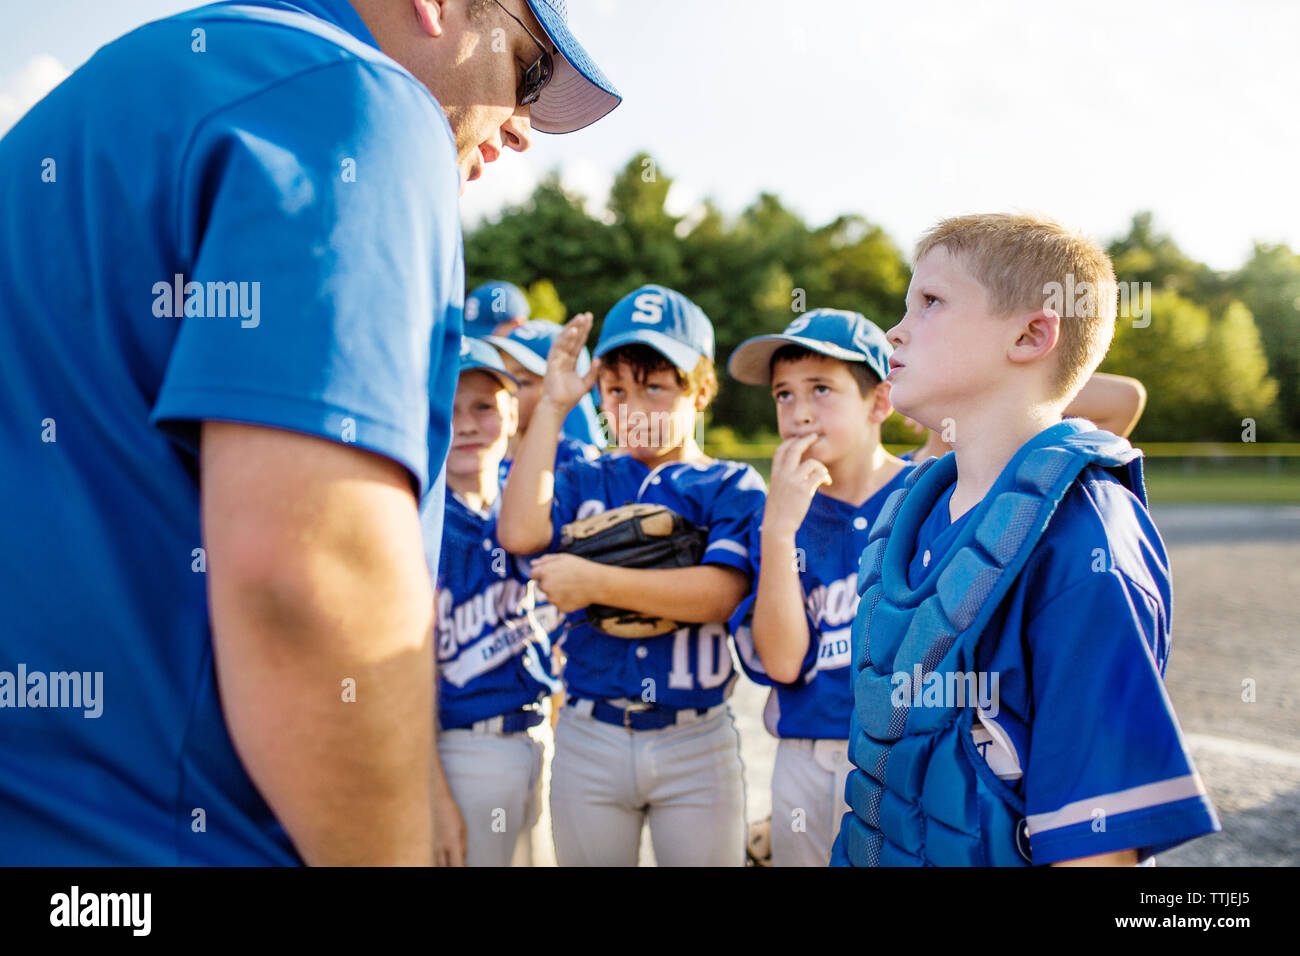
(834, 604)
(459, 624)
(832, 608)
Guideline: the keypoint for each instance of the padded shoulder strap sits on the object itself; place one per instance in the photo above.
(1005, 525)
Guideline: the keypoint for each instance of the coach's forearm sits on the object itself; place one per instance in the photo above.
(524, 526)
(780, 627)
(326, 675)
(698, 595)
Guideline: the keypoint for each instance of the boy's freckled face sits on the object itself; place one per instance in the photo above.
(650, 418)
(818, 395)
(949, 349)
(483, 419)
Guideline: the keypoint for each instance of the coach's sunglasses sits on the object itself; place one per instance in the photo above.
(539, 71)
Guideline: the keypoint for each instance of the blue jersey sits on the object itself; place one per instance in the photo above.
(241, 213)
(491, 627)
(1078, 717)
(819, 704)
(692, 666)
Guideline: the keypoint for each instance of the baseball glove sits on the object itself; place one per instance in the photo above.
(634, 536)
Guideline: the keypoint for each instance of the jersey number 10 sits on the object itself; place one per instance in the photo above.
(713, 658)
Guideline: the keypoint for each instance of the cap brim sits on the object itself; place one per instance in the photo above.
(682, 356)
(505, 378)
(520, 353)
(751, 362)
(578, 93)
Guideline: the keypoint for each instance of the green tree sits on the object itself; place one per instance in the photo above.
(1145, 255)
(1269, 285)
(1202, 374)
(544, 302)
(1204, 361)
(553, 236)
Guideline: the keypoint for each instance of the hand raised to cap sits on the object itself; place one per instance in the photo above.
(563, 385)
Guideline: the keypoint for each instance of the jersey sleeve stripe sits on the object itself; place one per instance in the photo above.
(726, 544)
(1121, 801)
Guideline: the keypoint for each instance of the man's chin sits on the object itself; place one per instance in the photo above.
(471, 169)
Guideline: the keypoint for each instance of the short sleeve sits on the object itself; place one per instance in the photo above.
(1107, 768)
(327, 272)
(738, 502)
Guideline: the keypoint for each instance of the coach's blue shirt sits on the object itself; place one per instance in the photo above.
(819, 704)
(244, 213)
(1082, 728)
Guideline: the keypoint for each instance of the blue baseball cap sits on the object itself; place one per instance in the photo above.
(478, 355)
(665, 320)
(491, 304)
(529, 345)
(578, 93)
(848, 336)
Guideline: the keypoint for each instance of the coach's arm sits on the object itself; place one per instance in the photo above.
(316, 575)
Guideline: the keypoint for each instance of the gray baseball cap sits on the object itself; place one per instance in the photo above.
(578, 93)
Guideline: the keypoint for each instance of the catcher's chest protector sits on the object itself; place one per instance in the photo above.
(922, 795)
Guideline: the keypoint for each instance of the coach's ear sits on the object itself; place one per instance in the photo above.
(429, 14)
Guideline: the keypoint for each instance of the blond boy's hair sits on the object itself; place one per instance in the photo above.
(1028, 261)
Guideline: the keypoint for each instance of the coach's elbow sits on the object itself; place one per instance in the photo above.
(354, 603)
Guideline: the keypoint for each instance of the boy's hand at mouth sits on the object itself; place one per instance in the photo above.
(793, 483)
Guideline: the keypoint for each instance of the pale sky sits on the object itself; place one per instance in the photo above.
(902, 112)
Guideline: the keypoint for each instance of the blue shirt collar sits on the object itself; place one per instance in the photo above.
(341, 13)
